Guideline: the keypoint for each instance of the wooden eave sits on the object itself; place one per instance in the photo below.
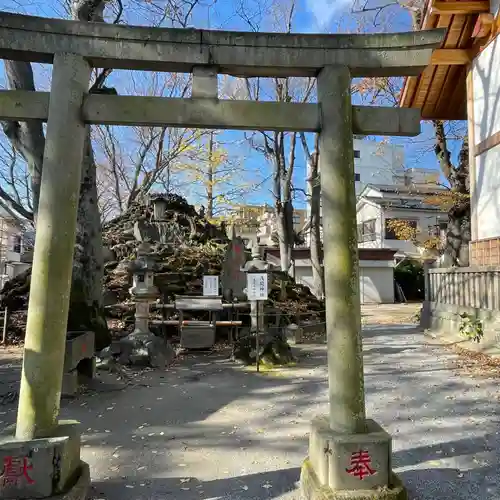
(440, 91)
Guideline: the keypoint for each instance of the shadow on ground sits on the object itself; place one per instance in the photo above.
(248, 487)
(208, 429)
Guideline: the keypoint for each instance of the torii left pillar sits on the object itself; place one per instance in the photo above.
(41, 455)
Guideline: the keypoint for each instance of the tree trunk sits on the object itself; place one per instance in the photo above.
(86, 311)
(314, 197)
(284, 213)
(26, 137)
(283, 198)
(86, 291)
(210, 178)
(458, 231)
(315, 227)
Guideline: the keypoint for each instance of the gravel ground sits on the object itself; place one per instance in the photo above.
(209, 430)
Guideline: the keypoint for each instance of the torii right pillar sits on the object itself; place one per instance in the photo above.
(349, 455)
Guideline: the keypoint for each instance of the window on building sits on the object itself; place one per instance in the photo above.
(17, 244)
(366, 231)
(389, 232)
(438, 229)
(357, 177)
(434, 230)
(357, 153)
(296, 219)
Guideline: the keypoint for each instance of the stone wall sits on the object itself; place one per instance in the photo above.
(443, 322)
(473, 291)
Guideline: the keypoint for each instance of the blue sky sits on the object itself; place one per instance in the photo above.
(326, 16)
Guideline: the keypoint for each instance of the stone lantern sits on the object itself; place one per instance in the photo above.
(256, 264)
(142, 347)
(143, 290)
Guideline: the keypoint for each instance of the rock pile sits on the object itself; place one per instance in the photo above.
(193, 247)
(15, 294)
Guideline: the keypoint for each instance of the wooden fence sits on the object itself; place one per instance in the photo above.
(464, 286)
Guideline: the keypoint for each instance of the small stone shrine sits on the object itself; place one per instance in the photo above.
(79, 361)
(156, 228)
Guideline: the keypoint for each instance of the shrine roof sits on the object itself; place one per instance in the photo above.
(440, 91)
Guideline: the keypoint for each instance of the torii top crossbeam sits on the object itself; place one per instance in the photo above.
(236, 53)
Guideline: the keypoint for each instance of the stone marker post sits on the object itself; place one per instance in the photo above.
(349, 456)
(46, 450)
(257, 323)
(425, 311)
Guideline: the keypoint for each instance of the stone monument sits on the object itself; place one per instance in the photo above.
(233, 278)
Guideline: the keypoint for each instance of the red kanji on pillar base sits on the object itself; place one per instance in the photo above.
(16, 469)
(360, 465)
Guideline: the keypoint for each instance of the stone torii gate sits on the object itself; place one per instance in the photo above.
(349, 454)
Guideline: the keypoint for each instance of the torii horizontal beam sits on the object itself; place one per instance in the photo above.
(244, 54)
(23, 105)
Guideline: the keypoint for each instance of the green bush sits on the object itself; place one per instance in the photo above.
(409, 274)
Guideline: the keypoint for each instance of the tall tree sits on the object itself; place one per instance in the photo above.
(28, 139)
(278, 147)
(458, 232)
(215, 177)
(314, 223)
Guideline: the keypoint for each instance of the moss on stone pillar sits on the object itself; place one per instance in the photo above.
(343, 313)
(41, 380)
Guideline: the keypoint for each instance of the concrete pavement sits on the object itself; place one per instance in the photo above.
(209, 430)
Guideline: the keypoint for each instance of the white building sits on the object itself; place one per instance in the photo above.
(377, 163)
(376, 272)
(484, 127)
(468, 91)
(12, 244)
(378, 204)
(382, 163)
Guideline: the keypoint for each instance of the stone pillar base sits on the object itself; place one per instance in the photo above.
(45, 467)
(354, 466)
(312, 489)
(80, 490)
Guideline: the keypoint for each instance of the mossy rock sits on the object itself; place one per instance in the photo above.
(274, 351)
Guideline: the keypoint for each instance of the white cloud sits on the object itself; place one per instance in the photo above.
(324, 10)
